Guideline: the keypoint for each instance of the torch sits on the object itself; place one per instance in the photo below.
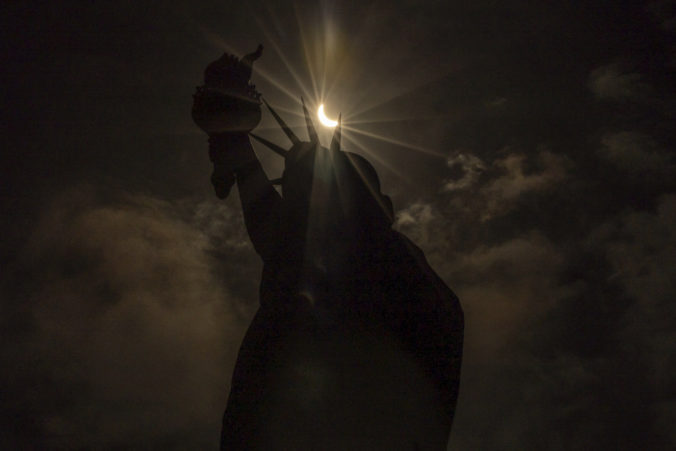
(227, 107)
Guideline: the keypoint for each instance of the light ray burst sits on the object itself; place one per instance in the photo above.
(393, 119)
(306, 51)
(366, 150)
(421, 149)
(218, 42)
(299, 81)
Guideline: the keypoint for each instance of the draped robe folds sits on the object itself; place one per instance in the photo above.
(357, 343)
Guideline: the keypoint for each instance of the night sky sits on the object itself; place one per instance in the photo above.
(528, 148)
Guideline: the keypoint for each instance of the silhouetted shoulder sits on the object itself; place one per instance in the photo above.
(415, 264)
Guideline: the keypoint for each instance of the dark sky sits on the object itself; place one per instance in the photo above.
(528, 148)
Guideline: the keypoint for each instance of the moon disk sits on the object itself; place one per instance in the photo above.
(323, 119)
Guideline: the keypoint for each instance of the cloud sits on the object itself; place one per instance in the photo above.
(482, 193)
(478, 192)
(571, 339)
(505, 286)
(502, 286)
(532, 332)
(501, 193)
(635, 153)
(134, 333)
(610, 83)
(641, 249)
(508, 290)
(643, 255)
(468, 168)
(416, 214)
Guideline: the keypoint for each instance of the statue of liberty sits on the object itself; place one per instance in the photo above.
(357, 343)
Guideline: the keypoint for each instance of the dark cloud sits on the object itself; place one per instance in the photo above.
(641, 252)
(564, 342)
(467, 168)
(133, 329)
(637, 154)
(609, 82)
(501, 192)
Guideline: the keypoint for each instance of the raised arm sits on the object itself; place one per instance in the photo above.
(234, 159)
(227, 107)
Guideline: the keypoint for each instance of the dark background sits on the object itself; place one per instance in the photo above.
(528, 148)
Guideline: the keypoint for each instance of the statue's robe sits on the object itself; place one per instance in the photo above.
(357, 343)
(360, 350)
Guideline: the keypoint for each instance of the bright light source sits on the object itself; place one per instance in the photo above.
(323, 119)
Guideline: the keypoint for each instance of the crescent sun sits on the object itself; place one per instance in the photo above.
(323, 119)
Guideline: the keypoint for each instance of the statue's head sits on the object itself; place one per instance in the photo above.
(332, 189)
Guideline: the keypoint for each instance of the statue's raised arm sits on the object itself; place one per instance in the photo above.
(227, 107)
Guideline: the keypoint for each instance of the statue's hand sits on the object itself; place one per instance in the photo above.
(228, 101)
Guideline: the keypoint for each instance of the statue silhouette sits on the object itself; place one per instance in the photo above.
(357, 343)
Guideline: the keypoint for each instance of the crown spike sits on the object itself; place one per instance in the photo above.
(294, 139)
(310, 126)
(335, 141)
(274, 147)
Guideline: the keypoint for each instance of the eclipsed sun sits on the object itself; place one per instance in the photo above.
(323, 119)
